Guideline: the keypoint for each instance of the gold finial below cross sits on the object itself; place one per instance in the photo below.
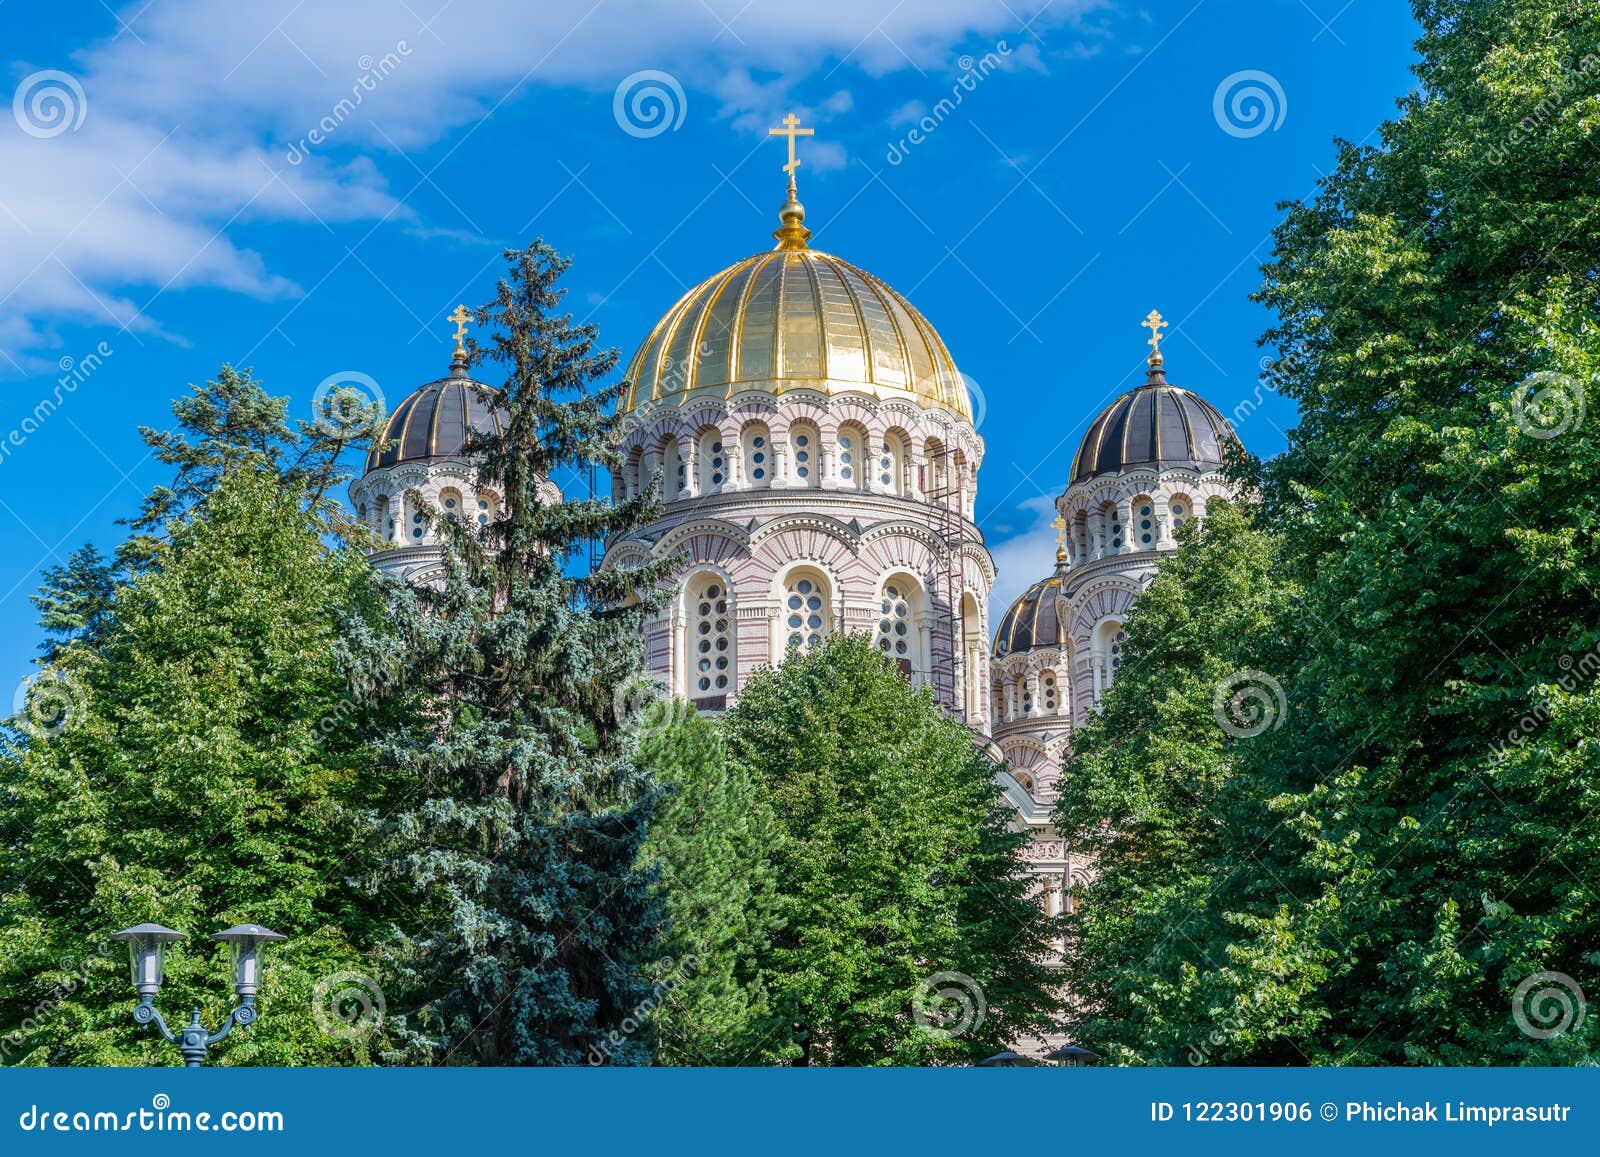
(791, 129)
(1155, 325)
(460, 317)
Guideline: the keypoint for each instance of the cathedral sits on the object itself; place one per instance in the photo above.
(815, 451)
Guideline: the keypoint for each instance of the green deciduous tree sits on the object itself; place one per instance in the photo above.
(510, 871)
(895, 865)
(1415, 842)
(190, 773)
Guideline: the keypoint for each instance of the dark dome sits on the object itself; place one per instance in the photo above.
(1032, 620)
(433, 421)
(1157, 424)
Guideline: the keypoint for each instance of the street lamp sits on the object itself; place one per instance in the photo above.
(1072, 1057)
(147, 947)
(1007, 1060)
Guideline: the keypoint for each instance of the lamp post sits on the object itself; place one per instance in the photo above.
(1072, 1057)
(147, 950)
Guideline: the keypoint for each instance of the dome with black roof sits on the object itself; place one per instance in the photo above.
(432, 422)
(1156, 425)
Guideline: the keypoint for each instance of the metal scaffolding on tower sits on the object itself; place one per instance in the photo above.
(946, 492)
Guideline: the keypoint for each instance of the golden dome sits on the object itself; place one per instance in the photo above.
(794, 318)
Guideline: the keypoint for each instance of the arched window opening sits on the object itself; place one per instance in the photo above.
(711, 669)
(450, 503)
(897, 624)
(892, 465)
(674, 475)
(852, 453)
(1025, 693)
(804, 442)
(757, 455)
(1114, 528)
(1047, 691)
(713, 462)
(1181, 509)
(487, 507)
(1024, 781)
(1144, 522)
(807, 610)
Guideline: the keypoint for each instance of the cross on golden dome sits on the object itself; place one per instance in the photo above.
(460, 317)
(1061, 537)
(1155, 325)
(791, 129)
(792, 234)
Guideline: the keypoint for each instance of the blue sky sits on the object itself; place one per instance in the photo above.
(175, 211)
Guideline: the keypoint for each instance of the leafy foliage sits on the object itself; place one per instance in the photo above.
(192, 777)
(895, 864)
(712, 842)
(1412, 843)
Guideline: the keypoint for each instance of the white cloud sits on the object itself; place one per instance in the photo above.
(192, 108)
(1025, 558)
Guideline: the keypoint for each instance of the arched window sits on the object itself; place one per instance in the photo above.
(710, 668)
(1109, 639)
(933, 467)
(899, 634)
(1181, 508)
(892, 464)
(852, 456)
(757, 455)
(419, 523)
(1144, 522)
(1025, 695)
(1114, 529)
(487, 507)
(450, 503)
(804, 444)
(1024, 781)
(633, 472)
(713, 461)
(1047, 692)
(385, 518)
(674, 474)
(807, 610)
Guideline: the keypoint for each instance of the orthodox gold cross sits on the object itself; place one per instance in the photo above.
(791, 129)
(1061, 532)
(460, 317)
(1155, 325)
